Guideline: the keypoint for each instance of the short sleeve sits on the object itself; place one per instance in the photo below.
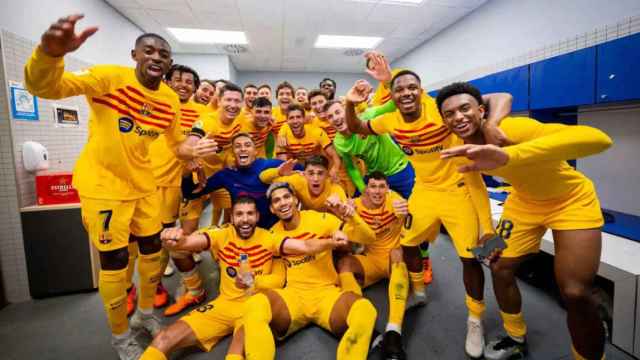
(382, 124)
(214, 235)
(323, 138)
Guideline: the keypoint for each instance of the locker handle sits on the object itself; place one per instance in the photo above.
(612, 76)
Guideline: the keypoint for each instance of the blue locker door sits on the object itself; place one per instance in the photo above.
(565, 80)
(618, 71)
(516, 82)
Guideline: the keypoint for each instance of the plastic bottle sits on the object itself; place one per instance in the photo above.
(246, 275)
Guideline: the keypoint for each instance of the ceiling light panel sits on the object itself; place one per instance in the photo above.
(204, 36)
(347, 42)
(393, 2)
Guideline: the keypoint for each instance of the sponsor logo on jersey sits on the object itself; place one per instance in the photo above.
(146, 109)
(430, 150)
(146, 132)
(231, 271)
(125, 124)
(298, 262)
(407, 150)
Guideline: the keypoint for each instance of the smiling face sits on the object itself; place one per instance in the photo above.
(264, 92)
(335, 115)
(244, 217)
(301, 96)
(230, 103)
(183, 83)
(406, 93)
(244, 150)
(317, 105)
(250, 94)
(328, 88)
(316, 176)
(261, 116)
(377, 191)
(462, 114)
(204, 93)
(295, 120)
(153, 60)
(283, 204)
(284, 97)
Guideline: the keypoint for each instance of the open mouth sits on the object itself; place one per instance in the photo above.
(243, 158)
(155, 70)
(462, 128)
(232, 112)
(284, 210)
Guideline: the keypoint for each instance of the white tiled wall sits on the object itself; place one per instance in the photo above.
(17, 187)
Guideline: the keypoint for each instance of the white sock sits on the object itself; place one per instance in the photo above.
(124, 335)
(148, 311)
(393, 327)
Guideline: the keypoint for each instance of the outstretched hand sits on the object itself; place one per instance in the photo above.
(378, 66)
(359, 92)
(286, 168)
(171, 237)
(484, 157)
(61, 37)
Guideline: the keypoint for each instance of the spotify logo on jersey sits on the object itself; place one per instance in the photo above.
(125, 124)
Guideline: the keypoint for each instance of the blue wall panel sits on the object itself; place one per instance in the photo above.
(619, 70)
(566, 80)
(514, 81)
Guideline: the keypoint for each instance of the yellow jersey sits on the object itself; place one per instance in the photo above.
(167, 169)
(259, 136)
(226, 247)
(124, 119)
(312, 143)
(301, 187)
(422, 141)
(307, 272)
(222, 133)
(384, 222)
(279, 119)
(537, 169)
(326, 126)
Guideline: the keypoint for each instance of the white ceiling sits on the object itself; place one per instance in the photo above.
(281, 33)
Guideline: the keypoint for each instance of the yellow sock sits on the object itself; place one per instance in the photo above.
(398, 292)
(232, 357)
(192, 282)
(258, 338)
(476, 307)
(150, 273)
(514, 324)
(577, 356)
(417, 281)
(113, 290)
(355, 341)
(153, 354)
(164, 259)
(133, 255)
(348, 282)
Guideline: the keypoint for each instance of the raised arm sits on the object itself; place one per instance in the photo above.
(174, 239)
(190, 188)
(499, 107)
(313, 246)
(357, 94)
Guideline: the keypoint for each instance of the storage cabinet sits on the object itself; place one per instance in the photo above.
(618, 70)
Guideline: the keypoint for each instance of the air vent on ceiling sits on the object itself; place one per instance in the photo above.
(235, 49)
(353, 52)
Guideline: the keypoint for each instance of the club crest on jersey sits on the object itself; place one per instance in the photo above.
(146, 109)
(125, 124)
(231, 271)
(407, 150)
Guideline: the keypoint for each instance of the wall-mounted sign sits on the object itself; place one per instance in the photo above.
(24, 106)
(66, 116)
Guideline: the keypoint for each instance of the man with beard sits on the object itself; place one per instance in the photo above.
(328, 87)
(304, 140)
(241, 179)
(451, 199)
(220, 126)
(130, 108)
(208, 324)
(205, 92)
(547, 194)
(311, 294)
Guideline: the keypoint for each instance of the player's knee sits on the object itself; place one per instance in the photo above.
(115, 259)
(575, 293)
(502, 272)
(148, 244)
(258, 308)
(165, 340)
(347, 264)
(396, 255)
(362, 314)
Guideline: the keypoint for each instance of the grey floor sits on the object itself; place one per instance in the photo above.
(74, 326)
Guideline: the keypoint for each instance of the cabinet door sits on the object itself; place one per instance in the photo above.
(565, 80)
(618, 71)
(513, 81)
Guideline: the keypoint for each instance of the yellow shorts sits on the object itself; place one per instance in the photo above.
(170, 198)
(215, 320)
(375, 266)
(430, 208)
(192, 209)
(221, 199)
(524, 222)
(310, 306)
(110, 222)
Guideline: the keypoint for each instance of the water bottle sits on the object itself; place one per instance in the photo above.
(245, 274)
